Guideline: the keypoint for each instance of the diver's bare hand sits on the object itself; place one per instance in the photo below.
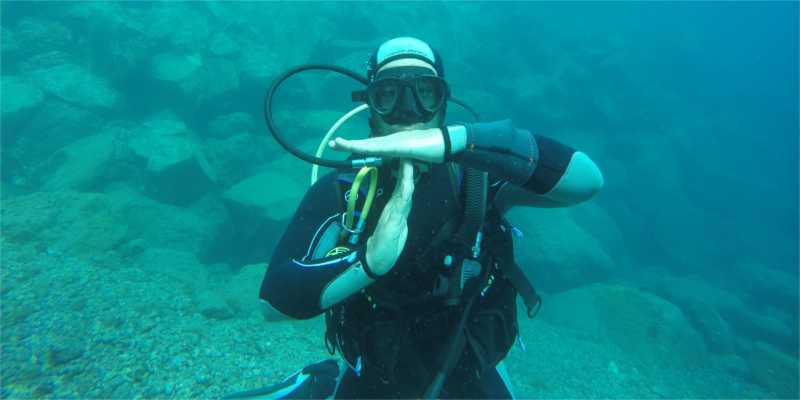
(389, 237)
(421, 144)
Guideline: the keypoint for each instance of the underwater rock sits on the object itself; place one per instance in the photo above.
(691, 290)
(223, 45)
(733, 364)
(10, 44)
(271, 195)
(241, 291)
(115, 36)
(234, 158)
(80, 165)
(316, 123)
(185, 27)
(775, 371)
(743, 319)
(228, 125)
(70, 223)
(44, 61)
(556, 252)
(257, 65)
(19, 99)
(681, 231)
(598, 221)
(258, 196)
(18, 95)
(757, 325)
(76, 85)
(179, 171)
(259, 208)
(640, 323)
(773, 286)
(322, 85)
(151, 223)
(218, 77)
(33, 36)
(715, 330)
(51, 126)
(359, 53)
(174, 67)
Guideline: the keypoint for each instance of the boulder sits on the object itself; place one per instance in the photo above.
(152, 224)
(174, 67)
(19, 97)
(687, 291)
(51, 126)
(640, 323)
(760, 325)
(270, 194)
(223, 45)
(775, 287)
(218, 77)
(76, 85)
(743, 319)
(260, 207)
(241, 291)
(33, 36)
(184, 27)
(79, 166)
(179, 171)
(775, 371)
(715, 330)
(228, 125)
(315, 123)
(733, 365)
(116, 35)
(46, 60)
(598, 222)
(556, 251)
(10, 43)
(234, 158)
(257, 65)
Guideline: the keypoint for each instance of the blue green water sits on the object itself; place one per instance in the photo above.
(142, 193)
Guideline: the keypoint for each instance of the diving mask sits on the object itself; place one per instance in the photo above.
(404, 96)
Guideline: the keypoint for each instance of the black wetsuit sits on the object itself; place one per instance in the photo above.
(395, 331)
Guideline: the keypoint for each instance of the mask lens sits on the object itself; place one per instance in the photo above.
(383, 95)
(430, 92)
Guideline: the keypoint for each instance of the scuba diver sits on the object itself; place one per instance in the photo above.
(414, 270)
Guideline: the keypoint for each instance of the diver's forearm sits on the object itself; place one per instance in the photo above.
(377, 257)
(458, 138)
(497, 148)
(557, 174)
(348, 282)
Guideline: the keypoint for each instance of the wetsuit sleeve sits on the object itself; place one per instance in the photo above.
(294, 281)
(554, 158)
(516, 155)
